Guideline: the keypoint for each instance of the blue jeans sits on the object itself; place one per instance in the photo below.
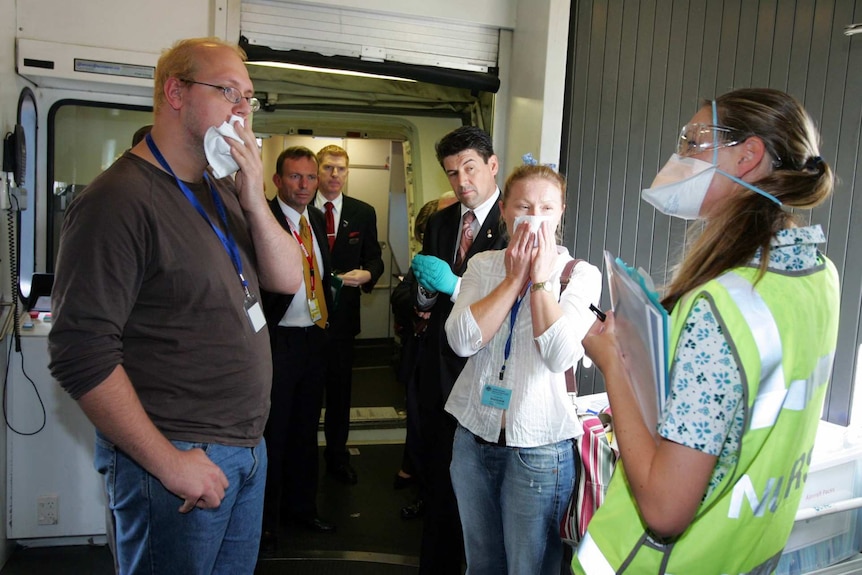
(511, 500)
(153, 537)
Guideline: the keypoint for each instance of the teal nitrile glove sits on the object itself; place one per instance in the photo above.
(434, 274)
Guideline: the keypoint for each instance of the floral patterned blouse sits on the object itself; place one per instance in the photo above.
(704, 410)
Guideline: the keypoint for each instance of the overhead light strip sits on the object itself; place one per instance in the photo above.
(327, 70)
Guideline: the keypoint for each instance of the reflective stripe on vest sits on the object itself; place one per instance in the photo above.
(772, 395)
(592, 559)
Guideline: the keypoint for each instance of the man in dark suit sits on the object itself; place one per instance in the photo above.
(297, 325)
(356, 261)
(467, 156)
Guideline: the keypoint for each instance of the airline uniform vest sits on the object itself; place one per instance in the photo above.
(783, 333)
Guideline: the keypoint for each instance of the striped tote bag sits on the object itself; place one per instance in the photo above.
(596, 457)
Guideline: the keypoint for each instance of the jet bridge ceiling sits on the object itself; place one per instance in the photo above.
(313, 93)
(453, 65)
(370, 36)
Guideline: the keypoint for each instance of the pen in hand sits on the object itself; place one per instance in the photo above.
(599, 313)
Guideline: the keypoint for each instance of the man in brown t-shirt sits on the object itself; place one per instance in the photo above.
(158, 330)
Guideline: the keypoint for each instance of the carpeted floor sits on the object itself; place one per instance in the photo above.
(366, 514)
(332, 567)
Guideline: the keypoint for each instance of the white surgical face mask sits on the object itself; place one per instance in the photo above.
(680, 187)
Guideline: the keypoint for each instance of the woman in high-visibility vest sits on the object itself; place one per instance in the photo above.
(753, 330)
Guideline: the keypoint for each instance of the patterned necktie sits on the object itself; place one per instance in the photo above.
(308, 244)
(466, 238)
(330, 225)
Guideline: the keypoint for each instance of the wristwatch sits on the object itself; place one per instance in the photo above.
(540, 286)
(426, 293)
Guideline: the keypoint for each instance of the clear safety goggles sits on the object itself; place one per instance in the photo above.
(697, 138)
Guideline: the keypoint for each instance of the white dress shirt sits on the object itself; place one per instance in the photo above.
(481, 212)
(540, 411)
(298, 314)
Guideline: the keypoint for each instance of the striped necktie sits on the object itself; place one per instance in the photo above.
(466, 238)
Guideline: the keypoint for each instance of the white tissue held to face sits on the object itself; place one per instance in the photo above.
(535, 222)
(217, 149)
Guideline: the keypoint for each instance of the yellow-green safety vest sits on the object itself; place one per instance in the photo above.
(783, 333)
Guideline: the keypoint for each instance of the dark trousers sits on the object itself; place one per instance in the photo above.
(298, 374)
(339, 381)
(442, 548)
(408, 374)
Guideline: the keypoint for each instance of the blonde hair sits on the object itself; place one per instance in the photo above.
(537, 172)
(799, 178)
(332, 150)
(181, 61)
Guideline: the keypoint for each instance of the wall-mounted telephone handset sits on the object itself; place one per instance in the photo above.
(11, 195)
(15, 153)
(15, 163)
(13, 199)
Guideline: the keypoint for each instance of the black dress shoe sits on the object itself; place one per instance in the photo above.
(343, 472)
(414, 510)
(316, 524)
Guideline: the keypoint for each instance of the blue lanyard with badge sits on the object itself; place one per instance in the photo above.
(495, 395)
(250, 303)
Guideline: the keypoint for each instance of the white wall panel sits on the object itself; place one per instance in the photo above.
(149, 26)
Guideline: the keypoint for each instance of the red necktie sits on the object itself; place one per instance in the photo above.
(330, 225)
(466, 237)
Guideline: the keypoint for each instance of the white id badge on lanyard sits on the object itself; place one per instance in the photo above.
(314, 310)
(254, 312)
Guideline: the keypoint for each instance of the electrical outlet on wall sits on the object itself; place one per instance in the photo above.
(47, 509)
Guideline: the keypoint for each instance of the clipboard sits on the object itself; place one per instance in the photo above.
(642, 331)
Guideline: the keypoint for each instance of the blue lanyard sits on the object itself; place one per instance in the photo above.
(226, 237)
(507, 351)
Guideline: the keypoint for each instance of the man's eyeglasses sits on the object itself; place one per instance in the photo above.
(231, 94)
(697, 138)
